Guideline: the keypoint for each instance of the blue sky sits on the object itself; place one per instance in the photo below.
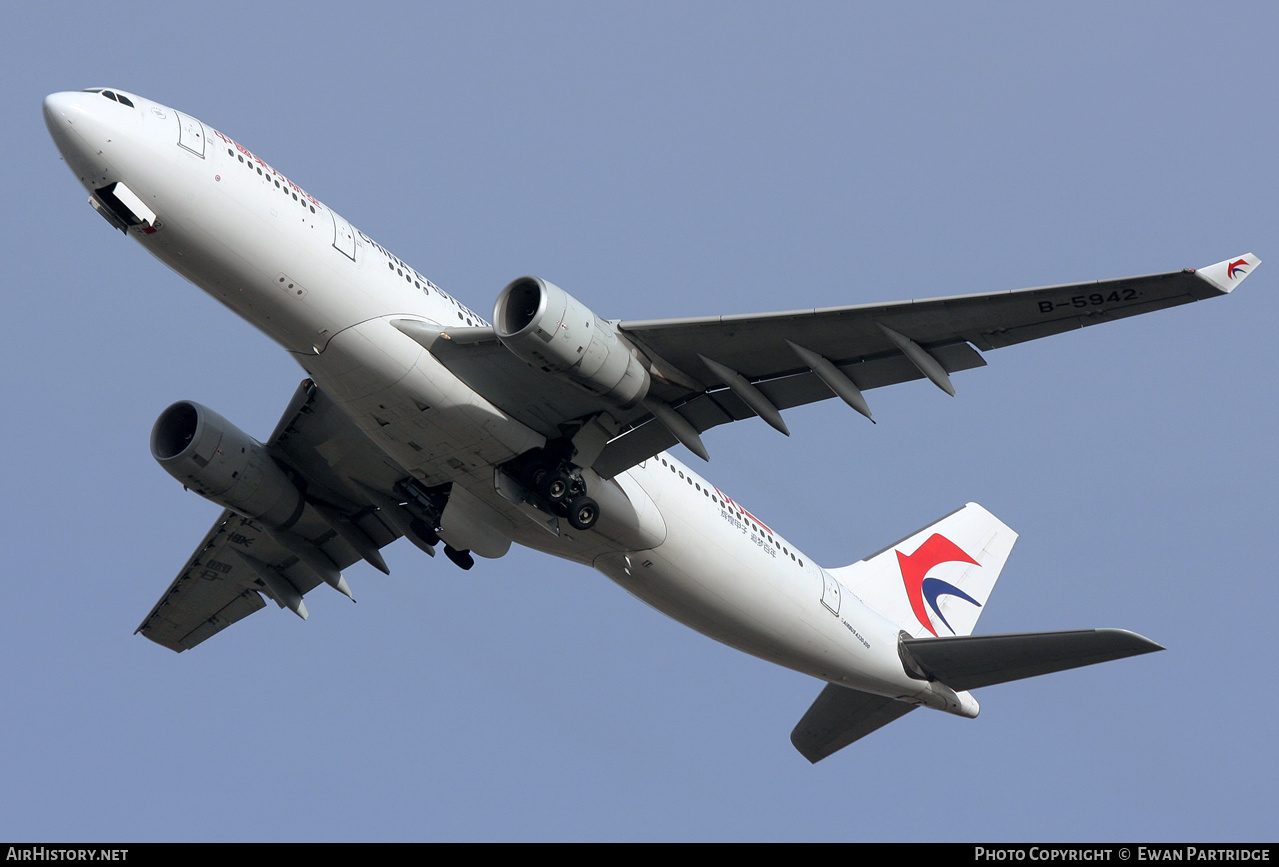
(665, 160)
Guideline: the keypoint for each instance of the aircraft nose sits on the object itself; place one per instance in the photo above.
(81, 132)
(60, 113)
(61, 105)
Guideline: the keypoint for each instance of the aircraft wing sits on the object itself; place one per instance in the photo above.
(240, 561)
(717, 369)
(788, 357)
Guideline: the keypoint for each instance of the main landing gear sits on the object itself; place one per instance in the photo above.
(462, 559)
(427, 505)
(565, 493)
(559, 485)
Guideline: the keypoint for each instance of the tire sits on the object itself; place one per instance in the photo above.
(583, 512)
(554, 487)
(423, 532)
(462, 559)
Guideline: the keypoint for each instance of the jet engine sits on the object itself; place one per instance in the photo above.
(556, 333)
(222, 463)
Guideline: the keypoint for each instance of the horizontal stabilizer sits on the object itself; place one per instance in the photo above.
(840, 716)
(971, 661)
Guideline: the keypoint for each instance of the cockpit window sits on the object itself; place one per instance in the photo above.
(115, 97)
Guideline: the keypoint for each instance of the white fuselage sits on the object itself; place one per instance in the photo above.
(295, 269)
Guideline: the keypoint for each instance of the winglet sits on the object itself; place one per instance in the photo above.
(1230, 273)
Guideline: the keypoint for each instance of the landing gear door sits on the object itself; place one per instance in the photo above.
(470, 524)
(343, 237)
(190, 134)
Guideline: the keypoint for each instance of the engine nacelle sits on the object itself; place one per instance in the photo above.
(222, 463)
(556, 333)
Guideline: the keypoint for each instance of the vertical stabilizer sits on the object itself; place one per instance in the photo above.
(936, 581)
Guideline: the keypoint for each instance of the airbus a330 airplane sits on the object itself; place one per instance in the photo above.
(548, 428)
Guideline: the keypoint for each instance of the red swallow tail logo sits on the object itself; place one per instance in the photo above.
(1236, 268)
(914, 567)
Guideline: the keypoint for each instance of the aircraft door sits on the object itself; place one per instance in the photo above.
(190, 134)
(343, 237)
(830, 592)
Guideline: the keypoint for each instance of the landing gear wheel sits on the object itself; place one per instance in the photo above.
(583, 512)
(462, 559)
(425, 533)
(554, 487)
